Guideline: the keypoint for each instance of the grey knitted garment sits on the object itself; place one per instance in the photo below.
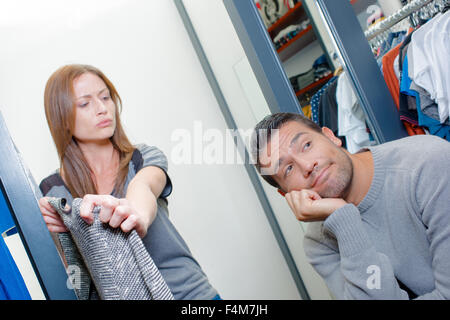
(117, 262)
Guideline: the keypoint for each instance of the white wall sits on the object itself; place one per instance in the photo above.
(142, 46)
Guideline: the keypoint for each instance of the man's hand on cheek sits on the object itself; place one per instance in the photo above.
(308, 206)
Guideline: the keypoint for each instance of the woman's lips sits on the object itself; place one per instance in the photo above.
(104, 123)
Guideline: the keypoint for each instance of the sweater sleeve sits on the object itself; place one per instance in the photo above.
(432, 194)
(351, 267)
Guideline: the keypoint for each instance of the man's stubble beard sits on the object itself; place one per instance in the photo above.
(340, 184)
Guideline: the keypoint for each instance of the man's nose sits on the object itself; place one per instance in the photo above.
(306, 165)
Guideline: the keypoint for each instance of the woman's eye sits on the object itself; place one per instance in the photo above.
(84, 104)
(106, 98)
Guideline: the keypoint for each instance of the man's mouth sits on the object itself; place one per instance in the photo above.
(321, 176)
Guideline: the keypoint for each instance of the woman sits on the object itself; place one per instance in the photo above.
(100, 165)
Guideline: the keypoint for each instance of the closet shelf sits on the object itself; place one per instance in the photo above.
(291, 17)
(297, 13)
(297, 43)
(314, 85)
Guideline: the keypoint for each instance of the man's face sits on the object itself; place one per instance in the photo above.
(305, 159)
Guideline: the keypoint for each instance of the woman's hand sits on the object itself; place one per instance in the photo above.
(307, 205)
(116, 212)
(51, 217)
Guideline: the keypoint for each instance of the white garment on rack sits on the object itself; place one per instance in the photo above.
(410, 54)
(430, 57)
(351, 119)
(396, 68)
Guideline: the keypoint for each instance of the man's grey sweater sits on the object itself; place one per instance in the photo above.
(399, 231)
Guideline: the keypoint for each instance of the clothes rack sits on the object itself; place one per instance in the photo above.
(395, 18)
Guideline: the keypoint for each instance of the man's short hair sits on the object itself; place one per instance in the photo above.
(265, 127)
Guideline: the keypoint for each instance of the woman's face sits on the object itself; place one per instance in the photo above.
(95, 110)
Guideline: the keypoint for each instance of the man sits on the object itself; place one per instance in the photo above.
(382, 215)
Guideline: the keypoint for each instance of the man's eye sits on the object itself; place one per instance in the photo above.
(307, 145)
(288, 170)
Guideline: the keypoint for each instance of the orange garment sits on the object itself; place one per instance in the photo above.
(389, 74)
(413, 129)
(307, 111)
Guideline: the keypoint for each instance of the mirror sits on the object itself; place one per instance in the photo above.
(312, 63)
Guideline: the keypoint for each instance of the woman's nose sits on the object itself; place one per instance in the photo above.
(100, 107)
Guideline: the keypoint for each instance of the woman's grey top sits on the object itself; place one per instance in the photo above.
(117, 262)
(182, 273)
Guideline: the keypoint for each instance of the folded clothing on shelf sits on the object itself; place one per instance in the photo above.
(319, 70)
(288, 33)
(302, 80)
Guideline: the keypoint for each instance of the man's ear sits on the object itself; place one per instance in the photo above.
(330, 135)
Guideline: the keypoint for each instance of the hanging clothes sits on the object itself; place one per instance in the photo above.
(389, 73)
(307, 111)
(392, 40)
(409, 120)
(427, 105)
(328, 111)
(328, 108)
(315, 101)
(407, 103)
(429, 53)
(433, 125)
(351, 118)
